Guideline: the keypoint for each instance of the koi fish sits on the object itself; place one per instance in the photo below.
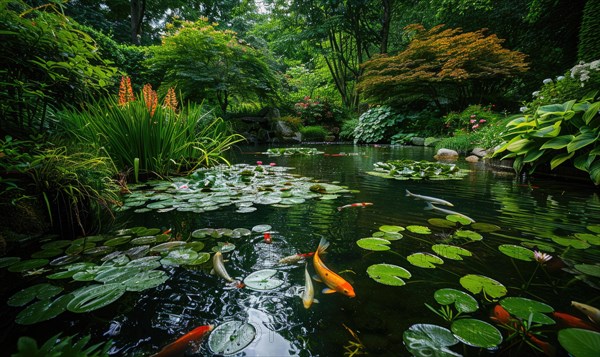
(447, 211)
(500, 315)
(295, 258)
(572, 321)
(267, 237)
(591, 312)
(548, 349)
(219, 267)
(360, 204)
(308, 296)
(179, 347)
(429, 199)
(334, 282)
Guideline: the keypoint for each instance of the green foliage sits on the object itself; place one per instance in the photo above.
(417, 170)
(317, 111)
(46, 62)
(205, 63)
(376, 124)
(347, 129)
(474, 118)
(165, 142)
(402, 138)
(589, 41)
(295, 123)
(56, 346)
(313, 133)
(575, 83)
(555, 134)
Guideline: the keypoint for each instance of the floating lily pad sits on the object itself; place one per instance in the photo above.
(474, 236)
(168, 246)
(376, 244)
(203, 232)
(93, 297)
(27, 265)
(57, 244)
(442, 223)
(593, 239)
(459, 218)
(579, 342)
(243, 232)
(143, 240)
(8, 261)
(70, 271)
(117, 241)
(223, 247)
(525, 309)
(424, 260)
(388, 274)
(391, 229)
(451, 251)
(392, 235)
(589, 269)
(179, 257)
(517, 252)
(571, 242)
(47, 253)
(419, 229)
(476, 333)
(594, 228)
(101, 250)
(425, 340)
(64, 260)
(43, 310)
(479, 283)
(231, 337)
(261, 228)
(538, 246)
(203, 257)
(78, 248)
(43, 291)
(195, 246)
(145, 280)
(485, 227)
(148, 263)
(246, 209)
(263, 280)
(461, 300)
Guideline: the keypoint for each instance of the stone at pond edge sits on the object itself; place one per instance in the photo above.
(446, 154)
(472, 158)
(416, 141)
(479, 152)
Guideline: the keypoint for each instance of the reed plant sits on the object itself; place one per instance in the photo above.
(156, 139)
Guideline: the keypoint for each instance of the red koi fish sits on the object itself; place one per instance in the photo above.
(572, 321)
(267, 237)
(360, 204)
(548, 349)
(334, 282)
(296, 258)
(500, 315)
(179, 347)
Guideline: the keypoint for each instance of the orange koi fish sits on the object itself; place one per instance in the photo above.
(548, 349)
(572, 321)
(360, 204)
(334, 282)
(500, 315)
(179, 347)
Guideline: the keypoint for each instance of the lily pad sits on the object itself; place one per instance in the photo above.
(27, 265)
(517, 252)
(203, 233)
(375, 244)
(479, 283)
(459, 218)
(179, 257)
(476, 333)
(8, 261)
(442, 223)
(263, 280)
(579, 342)
(424, 260)
(43, 310)
(418, 229)
(388, 274)
(203, 257)
(64, 260)
(231, 337)
(461, 300)
(57, 244)
(474, 236)
(391, 229)
(571, 242)
(224, 247)
(242, 232)
(425, 340)
(47, 253)
(451, 251)
(589, 269)
(485, 227)
(168, 246)
(594, 228)
(593, 239)
(145, 280)
(43, 291)
(261, 228)
(143, 240)
(93, 297)
(524, 308)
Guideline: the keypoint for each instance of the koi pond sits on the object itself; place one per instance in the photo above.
(494, 274)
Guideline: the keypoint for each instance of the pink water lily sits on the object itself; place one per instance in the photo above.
(259, 162)
(541, 257)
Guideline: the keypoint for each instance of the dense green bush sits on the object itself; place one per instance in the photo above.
(318, 112)
(347, 129)
(377, 124)
(474, 118)
(589, 41)
(313, 133)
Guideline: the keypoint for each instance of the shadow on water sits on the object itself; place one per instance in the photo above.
(141, 324)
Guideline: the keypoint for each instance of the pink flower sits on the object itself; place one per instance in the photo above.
(475, 126)
(272, 164)
(472, 121)
(473, 116)
(482, 120)
(259, 162)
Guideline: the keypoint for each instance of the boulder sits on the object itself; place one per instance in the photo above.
(472, 158)
(479, 152)
(416, 141)
(282, 129)
(446, 154)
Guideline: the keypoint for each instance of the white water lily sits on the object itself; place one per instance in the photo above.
(541, 257)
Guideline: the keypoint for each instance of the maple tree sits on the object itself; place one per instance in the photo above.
(450, 67)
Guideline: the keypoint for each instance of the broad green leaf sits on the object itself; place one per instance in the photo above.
(460, 218)
(43, 291)
(418, 229)
(442, 223)
(231, 337)
(461, 300)
(168, 246)
(450, 251)
(145, 280)
(594, 228)
(424, 260)
(43, 310)
(595, 172)
(388, 274)
(581, 141)
(558, 142)
(8, 261)
(474, 236)
(533, 155)
(476, 333)
(426, 340)
(391, 229)
(559, 159)
(593, 239)
(591, 112)
(479, 283)
(25, 265)
(179, 257)
(517, 145)
(375, 244)
(571, 242)
(579, 342)
(549, 131)
(93, 297)
(517, 252)
(263, 280)
(525, 309)
(589, 269)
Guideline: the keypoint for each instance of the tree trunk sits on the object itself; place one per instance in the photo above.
(138, 7)
(385, 24)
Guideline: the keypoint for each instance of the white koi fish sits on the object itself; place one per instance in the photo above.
(429, 199)
(447, 211)
(308, 296)
(219, 267)
(591, 312)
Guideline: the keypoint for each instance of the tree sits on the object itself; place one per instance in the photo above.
(442, 65)
(589, 39)
(205, 63)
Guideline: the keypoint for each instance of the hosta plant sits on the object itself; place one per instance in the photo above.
(556, 133)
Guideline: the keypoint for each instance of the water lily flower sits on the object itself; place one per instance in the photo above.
(482, 120)
(541, 257)
(475, 126)
(259, 162)
(473, 116)
(272, 164)
(472, 121)
(547, 80)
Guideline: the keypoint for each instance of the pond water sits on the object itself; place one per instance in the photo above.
(540, 213)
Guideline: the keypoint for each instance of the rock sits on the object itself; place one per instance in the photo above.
(282, 129)
(479, 152)
(416, 141)
(472, 158)
(446, 154)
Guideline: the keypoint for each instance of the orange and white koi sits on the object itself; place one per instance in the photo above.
(591, 312)
(334, 282)
(296, 258)
(308, 295)
(180, 346)
(360, 204)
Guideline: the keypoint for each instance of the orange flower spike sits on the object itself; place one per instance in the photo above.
(171, 100)
(151, 99)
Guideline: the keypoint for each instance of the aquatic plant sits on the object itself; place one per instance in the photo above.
(417, 170)
(61, 346)
(292, 151)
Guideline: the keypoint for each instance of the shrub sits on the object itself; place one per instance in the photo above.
(402, 138)
(376, 124)
(314, 133)
(317, 111)
(295, 123)
(347, 130)
(474, 118)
